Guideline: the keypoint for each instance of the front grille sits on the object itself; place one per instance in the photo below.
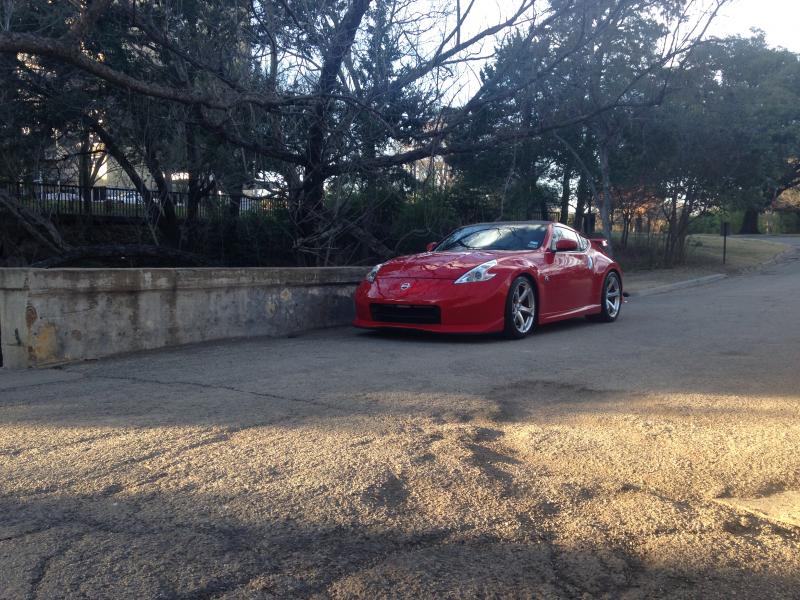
(406, 313)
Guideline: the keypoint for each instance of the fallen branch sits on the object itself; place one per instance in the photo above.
(37, 226)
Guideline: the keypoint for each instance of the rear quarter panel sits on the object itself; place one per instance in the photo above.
(603, 264)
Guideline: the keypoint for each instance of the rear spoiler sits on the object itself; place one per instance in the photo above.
(600, 244)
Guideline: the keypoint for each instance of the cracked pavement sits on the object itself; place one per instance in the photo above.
(586, 461)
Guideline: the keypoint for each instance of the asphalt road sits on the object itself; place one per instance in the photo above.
(588, 460)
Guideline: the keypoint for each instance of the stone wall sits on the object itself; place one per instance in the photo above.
(53, 316)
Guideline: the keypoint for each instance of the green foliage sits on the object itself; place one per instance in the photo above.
(712, 222)
(781, 222)
(428, 217)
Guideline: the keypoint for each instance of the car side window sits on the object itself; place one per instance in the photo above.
(584, 243)
(566, 234)
(556, 236)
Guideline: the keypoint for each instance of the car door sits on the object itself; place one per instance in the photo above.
(585, 274)
(567, 275)
(555, 297)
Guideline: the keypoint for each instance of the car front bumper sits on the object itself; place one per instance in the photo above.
(466, 308)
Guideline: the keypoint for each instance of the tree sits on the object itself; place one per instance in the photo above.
(341, 92)
(759, 100)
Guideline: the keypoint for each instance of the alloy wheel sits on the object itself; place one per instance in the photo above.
(523, 307)
(613, 296)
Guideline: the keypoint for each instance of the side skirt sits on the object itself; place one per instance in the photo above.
(592, 309)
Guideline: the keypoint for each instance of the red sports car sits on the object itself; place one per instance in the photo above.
(494, 277)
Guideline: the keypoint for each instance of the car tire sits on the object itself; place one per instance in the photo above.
(520, 312)
(610, 298)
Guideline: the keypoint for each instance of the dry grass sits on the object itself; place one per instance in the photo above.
(705, 252)
(704, 257)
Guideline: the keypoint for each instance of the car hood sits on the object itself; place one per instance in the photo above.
(434, 265)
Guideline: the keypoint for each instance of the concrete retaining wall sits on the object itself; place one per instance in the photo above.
(52, 316)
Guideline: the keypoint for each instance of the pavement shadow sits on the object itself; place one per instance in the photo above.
(182, 544)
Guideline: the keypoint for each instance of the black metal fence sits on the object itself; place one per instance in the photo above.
(62, 199)
(54, 199)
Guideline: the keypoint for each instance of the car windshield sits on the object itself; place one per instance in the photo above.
(495, 237)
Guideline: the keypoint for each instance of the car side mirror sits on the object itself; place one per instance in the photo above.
(564, 245)
(431, 246)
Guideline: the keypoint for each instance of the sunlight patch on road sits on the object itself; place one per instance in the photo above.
(782, 507)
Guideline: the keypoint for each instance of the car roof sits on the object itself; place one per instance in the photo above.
(495, 223)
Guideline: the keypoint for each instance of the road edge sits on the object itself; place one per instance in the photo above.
(678, 285)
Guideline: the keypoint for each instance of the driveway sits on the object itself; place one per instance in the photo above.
(588, 460)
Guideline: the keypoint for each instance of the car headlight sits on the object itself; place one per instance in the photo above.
(479, 273)
(374, 273)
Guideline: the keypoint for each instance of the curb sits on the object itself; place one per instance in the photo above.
(678, 285)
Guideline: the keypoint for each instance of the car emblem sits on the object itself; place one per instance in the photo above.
(405, 286)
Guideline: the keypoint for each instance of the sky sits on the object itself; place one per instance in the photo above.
(779, 19)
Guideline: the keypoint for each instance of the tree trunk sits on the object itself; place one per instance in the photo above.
(672, 220)
(750, 221)
(371, 191)
(193, 197)
(626, 229)
(235, 203)
(544, 209)
(310, 206)
(169, 220)
(151, 207)
(565, 192)
(683, 225)
(84, 174)
(194, 191)
(587, 190)
(605, 201)
(230, 223)
(583, 194)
